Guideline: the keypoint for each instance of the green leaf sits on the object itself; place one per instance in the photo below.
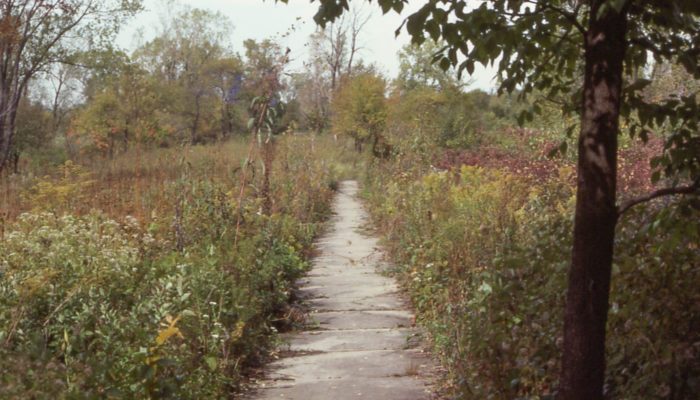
(386, 6)
(618, 4)
(536, 108)
(433, 29)
(604, 8)
(470, 67)
(211, 362)
(485, 288)
(445, 64)
(416, 21)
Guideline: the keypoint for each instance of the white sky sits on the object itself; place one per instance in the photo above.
(265, 19)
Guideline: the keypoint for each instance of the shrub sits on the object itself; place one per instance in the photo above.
(96, 307)
(484, 254)
(360, 111)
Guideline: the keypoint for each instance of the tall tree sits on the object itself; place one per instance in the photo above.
(360, 111)
(417, 69)
(264, 61)
(339, 44)
(313, 88)
(33, 130)
(226, 76)
(540, 44)
(185, 55)
(37, 33)
(121, 113)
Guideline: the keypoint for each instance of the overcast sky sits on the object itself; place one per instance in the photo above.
(265, 19)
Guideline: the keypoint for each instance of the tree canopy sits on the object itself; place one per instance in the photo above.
(37, 34)
(416, 68)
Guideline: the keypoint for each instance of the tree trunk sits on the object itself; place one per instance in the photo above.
(225, 120)
(8, 130)
(583, 359)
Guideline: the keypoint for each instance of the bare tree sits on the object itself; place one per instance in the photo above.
(340, 43)
(358, 20)
(63, 82)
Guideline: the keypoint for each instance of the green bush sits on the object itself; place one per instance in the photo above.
(360, 111)
(448, 118)
(485, 255)
(96, 308)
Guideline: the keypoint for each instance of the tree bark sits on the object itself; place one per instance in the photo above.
(583, 359)
(225, 120)
(8, 131)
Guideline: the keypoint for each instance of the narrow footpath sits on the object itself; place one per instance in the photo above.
(360, 342)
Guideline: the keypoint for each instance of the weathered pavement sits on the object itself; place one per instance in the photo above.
(360, 342)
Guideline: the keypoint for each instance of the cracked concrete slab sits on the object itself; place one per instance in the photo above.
(389, 301)
(357, 339)
(354, 365)
(340, 320)
(404, 388)
(360, 341)
(346, 291)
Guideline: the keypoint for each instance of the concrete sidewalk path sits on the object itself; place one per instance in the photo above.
(360, 342)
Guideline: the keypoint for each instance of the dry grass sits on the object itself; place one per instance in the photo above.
(140, 182)
(134, 183)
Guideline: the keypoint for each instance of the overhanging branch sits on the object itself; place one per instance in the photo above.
(690, 189)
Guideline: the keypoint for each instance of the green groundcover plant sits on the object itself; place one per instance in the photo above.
(92, 307)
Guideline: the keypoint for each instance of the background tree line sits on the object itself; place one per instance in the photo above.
(188, 86)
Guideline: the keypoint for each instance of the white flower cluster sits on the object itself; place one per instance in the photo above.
(71, 245)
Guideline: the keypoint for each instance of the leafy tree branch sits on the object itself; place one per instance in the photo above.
(670, 191)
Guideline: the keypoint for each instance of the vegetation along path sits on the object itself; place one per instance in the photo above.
(360, 341)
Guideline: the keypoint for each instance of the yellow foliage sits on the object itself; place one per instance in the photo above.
(238, 333)
(169, 331)
(68, 190)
